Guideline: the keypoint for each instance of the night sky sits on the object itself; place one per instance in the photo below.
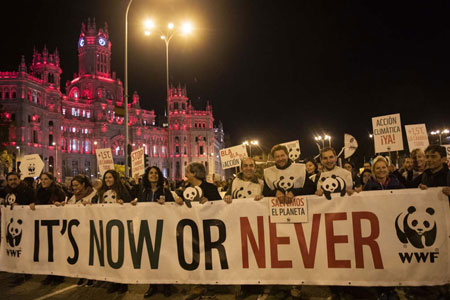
(273, 70)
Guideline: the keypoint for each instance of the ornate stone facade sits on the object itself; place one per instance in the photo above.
(65, 129)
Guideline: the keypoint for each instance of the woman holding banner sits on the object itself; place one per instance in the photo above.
(381, 179)
(152, 190)
(113, 191)
(50, 192)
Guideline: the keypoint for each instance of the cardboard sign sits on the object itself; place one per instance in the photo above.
(231, 157)
(137, 162)
(350, 145)
(417, 136)
(387, 133)
(447, 149)
(293, 149)
(294, 212)
(105, 160)
(31, 166)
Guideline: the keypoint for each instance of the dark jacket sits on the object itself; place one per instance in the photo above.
(147, 195)
(50, 195)
(439, 178)
(392, 183)
(210, 191)
(24, 195)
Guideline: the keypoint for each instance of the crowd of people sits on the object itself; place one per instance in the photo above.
(284, 180)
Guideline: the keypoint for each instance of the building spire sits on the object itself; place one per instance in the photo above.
(22, 66)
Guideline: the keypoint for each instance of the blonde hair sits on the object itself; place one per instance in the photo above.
(377, 159)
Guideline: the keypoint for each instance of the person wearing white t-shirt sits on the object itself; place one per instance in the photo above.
(328, 159)
(246, 184)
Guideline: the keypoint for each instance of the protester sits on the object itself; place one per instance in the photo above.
(286, 179)
(419, 166)
(381, 178)
(50, 193)
(83, 193)
(196, 177)
(152, 190)
(311, 167)
(15, 193)
(437, 172)
(113, 191)
(365, 176)
(246, 184)
(355, 178)
(367, 166)
(330, 169)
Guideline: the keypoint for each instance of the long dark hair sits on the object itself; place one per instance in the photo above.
(118, 187)
(83, 180)
(53, 185)
(314, 163)
(146, 183)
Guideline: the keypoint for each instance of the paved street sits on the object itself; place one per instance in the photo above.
(33, 289)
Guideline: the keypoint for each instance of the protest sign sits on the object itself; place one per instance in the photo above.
(447, 148)
(294, 212)
(105, 160)
(369, 239)
(417, 136)
(350, 145)
(387, 133)
(137, 162)
(31, 166)
(293, 149)
(231, 157)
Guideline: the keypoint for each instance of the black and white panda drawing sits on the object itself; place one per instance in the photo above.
(110, 196)
(14, 232)
(10, 199)
(333, 184)
(294, 153)
(285, 183)
(241, 193)
(419, 227)
(192, 194)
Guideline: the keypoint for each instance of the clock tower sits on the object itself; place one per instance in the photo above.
(94, 51)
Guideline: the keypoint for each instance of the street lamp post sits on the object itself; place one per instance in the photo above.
(440, 132)
(55, 169)
(167, 36)
(17, 158)
(126, 88)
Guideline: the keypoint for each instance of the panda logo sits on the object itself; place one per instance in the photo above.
(285, 183)
(419, 228)
(109, 197)
(10, 199)
(294, 153)
(241, 193)
(193, 193)
(333, 184)
(31, 168)
(14, 232)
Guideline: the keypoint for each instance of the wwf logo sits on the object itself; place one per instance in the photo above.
(14, 232)
(31, 168)
(333, 184)
(416, 227)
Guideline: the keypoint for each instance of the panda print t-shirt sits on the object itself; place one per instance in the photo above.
(285, 179)
(338, 172)
(246, 189)
(110, 196)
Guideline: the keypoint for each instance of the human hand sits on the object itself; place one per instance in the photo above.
(203, 200)
(134, 202)
(423, 186)
(289, 197)
(280, 196)
(258, 197)
(228, 199)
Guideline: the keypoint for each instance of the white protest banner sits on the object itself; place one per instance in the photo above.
(417, 136)
(376, 238)
(293, 149)
(138, 162)
(105, 160)
(31, 166)
(231, 157)
(294, 212)
(387, 133)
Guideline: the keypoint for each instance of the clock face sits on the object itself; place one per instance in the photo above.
(81, 42)
(101, 41)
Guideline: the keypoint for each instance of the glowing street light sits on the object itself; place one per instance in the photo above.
(185, 28)
(440, 133)
(55, 170)
(17, 158)
(250, 144)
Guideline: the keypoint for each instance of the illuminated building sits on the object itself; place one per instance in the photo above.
(67, 128)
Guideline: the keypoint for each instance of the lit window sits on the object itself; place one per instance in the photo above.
(88, 114)
(154, 149)
(74, 129)
(86, 146)
(74, 145)
(84, 113)
(63, 111)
